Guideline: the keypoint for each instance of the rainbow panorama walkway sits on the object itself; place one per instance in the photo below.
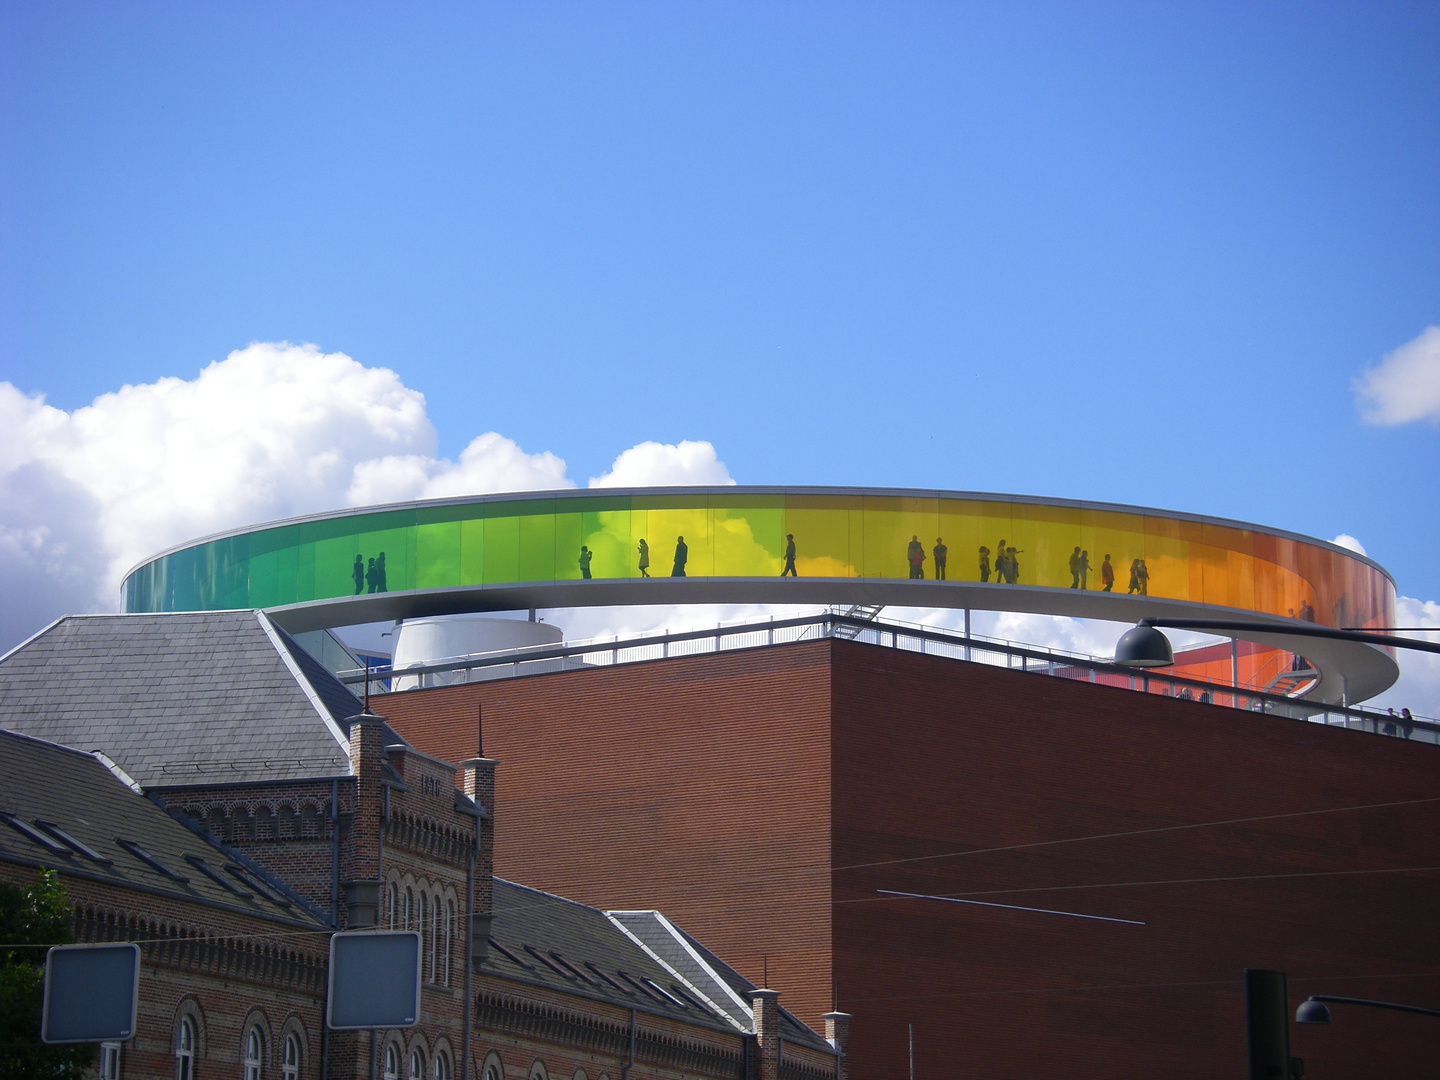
(851, 546)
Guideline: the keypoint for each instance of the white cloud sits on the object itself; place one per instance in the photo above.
(1345, 540)
(1419, 687)
(653, 464)
(271, 431)
(1405, 386)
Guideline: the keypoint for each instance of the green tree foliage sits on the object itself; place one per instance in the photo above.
(33, 915)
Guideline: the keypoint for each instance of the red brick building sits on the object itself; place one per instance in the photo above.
(772, 799)
(291, 816)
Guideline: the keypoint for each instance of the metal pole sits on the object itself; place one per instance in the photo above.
(912, 1052)
(967, 633)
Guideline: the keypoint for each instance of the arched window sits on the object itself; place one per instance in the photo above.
(185, 1050)
(393, 901)
(417, 1064)
(440, 1067)
(435, 921)
(409, 908)
(449, 938)
(492, 1071)
(254, 1050)
(290, 1070)
(427, 971)
(392, 1062)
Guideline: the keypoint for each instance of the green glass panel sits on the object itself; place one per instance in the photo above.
(472, 552)
(538, 556)
(437, 555)
(502, 548)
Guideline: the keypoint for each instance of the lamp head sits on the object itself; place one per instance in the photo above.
(1144, 647)
(1312, 1012)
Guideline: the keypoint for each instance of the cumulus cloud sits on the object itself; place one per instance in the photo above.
(653, 464)
(1345, 540)
(1405, 386)
(270, 431)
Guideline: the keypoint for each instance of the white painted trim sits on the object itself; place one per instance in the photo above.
(670, 929)
(304, 683)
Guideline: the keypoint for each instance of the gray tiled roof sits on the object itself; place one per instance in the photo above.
(213, 697)
(720, 984)
(600, 949)
(40, 781)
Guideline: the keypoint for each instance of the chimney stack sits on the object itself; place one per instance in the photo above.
(367, 757)
(837, 1031)
(479, 774)
(765, 1006)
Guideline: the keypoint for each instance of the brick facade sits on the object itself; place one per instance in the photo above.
(764, 797)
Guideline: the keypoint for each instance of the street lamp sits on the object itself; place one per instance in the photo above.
(1313, 1011)
(1144, 646)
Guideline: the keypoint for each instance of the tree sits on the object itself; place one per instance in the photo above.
(32, 917)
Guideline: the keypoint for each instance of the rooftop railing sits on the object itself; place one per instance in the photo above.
(928, 640)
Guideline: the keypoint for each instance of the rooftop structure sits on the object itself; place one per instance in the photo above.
(796, 545)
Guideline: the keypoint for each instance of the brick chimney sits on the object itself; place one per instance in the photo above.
(479, 782)
(367, 758)
(765, 1005)
(837, 1031)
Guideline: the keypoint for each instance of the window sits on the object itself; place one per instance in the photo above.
(185, 1050)
(427, 970)
(435, 940)
(409, 908)
(392, 1062)
(290, 1070)
(417, 1064)
(109, 1061)
(394, 902)
(492, 1070)
(449, 938)
(440, 1067)
(253, 1058)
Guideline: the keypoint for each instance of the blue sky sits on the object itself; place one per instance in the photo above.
(1133, 253)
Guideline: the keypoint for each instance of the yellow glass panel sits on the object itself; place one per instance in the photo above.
(822, 528)
(605, 528)
(749, 535)
(668, 519)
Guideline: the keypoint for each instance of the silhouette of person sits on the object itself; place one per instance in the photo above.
(1307, 612)
(682, 556)
(940, 552)
(371, 580)
(1075, 568)
(1084, 570)
(915, 556)
(1107, 575)
(1143, 577)
(1012, 564)
(380, 585)
(789, 556)
(984, 563)
(1407, 723)
(644, 550)
(358, 573)
(585, 556)
(1134, 576)
(1002, 562)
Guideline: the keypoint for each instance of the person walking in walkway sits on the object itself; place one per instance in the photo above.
(358, 573)
(915, 556)
(644, 550)
(1075, 568)
(789, 556)
(1084, 571)
(1134, 577)
(585, 556)
(940, 552)
(1107, 575)
(682, 556)
(1143, 577)
(984, 563)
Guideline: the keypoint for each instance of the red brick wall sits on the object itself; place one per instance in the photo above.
(934, 757)
(696, 785)
(706, 786)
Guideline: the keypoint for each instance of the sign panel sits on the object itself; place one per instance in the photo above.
(374, 979)
(90, 993)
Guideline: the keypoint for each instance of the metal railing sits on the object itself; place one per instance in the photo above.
(928, 640)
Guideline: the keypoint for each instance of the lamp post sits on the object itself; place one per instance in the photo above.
(1144, 646)
(1313, 1011)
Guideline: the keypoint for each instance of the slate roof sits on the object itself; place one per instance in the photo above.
(551, 941)
(65, 810)
(194, 697)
